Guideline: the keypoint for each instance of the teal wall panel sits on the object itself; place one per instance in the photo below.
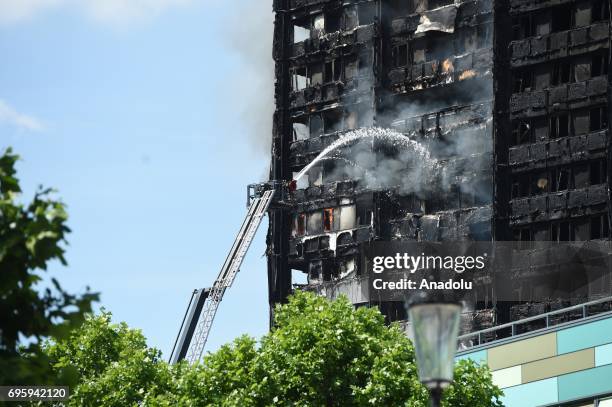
(603, 355)
(584, 336)
(532, 394)
(479, 356)
(585, 383)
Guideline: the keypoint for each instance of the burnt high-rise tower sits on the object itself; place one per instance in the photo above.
(510, 98)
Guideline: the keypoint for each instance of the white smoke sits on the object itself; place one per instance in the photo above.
(250, 35)
(383, 159)
(379, 159)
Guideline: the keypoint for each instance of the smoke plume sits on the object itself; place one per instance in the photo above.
(251, 28)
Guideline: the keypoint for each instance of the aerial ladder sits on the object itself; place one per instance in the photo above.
(204, 302)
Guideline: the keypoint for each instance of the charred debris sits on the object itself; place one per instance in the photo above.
(510, 98)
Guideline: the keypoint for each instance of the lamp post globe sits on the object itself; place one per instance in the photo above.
(436, 327)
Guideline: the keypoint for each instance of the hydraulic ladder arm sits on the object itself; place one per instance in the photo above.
(203, 306)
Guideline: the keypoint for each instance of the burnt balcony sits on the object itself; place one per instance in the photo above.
(559, 151)
(560, 44)
(348, 41)
(560, 97)
(559, 205)
(455, 69)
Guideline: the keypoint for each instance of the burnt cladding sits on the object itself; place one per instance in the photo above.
(507, 99)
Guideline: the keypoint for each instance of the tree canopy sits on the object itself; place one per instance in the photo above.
(31, 237)
(320, 353)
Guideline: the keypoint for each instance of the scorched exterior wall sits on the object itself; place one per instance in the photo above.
(484, 85)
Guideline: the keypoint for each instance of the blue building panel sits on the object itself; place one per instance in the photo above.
(532, 394)
(585, 383)
(584, 336)
(603, 355)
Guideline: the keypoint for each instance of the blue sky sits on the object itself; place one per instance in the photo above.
(149, 118)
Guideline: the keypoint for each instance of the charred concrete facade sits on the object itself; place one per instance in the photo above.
(557, 122)
(509, 97)
(552, 135)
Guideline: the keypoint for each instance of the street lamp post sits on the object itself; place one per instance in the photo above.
(435, 326)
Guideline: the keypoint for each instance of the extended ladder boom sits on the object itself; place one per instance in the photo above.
(191, 340)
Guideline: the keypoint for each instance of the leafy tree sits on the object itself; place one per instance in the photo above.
(31, 236)
(114, 365)
(321, 353)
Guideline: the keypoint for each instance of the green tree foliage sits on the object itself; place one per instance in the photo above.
(31, 236)
(321, 353)
(113, 363)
